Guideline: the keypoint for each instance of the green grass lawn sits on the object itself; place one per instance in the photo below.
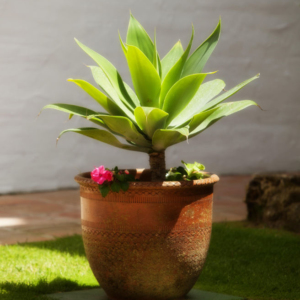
(252, 262)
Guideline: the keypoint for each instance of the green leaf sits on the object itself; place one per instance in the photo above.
(175, 72)
(222, 110)
(111, 73)
(198, 59)
(132, 95)
(126, 128)
(102, 80)
(71, 109)
(104, 189)
(150, 119)
(205, 93)
(181, 170)
(159, 70)
(174, 176)
(181, 94)
(156, 58)
(124, 185)
(193, 168)
(105, 137)
(164, 138)
(145, 78)
(138, 37)
(120, 177)
(155, 62)
(199, 175)
(124, 47)
(109, 105)
(171, 58)
(76, 110)
(228, 94)
(115, 186)
(199, 118)
(80, 111)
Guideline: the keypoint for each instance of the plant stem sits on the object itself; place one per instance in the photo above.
(157, 166)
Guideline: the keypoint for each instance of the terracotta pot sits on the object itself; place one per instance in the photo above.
(149, 242)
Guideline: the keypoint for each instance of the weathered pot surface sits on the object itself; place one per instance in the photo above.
(149, 242)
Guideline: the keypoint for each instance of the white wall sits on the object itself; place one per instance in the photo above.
(38, 54)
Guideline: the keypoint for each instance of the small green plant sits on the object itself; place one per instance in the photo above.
(170, 103)
(190, 172)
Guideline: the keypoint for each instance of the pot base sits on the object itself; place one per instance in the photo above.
(99, 294)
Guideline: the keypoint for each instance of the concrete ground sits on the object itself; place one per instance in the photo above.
(99, 294)
(47, 215)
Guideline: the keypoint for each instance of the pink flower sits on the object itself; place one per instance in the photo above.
(126, 172)
(100, 175)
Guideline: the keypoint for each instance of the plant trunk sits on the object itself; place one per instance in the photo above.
(157, 166)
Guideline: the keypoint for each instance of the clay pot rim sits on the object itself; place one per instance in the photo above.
(85, 179)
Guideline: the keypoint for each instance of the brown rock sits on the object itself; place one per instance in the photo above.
(274, 200)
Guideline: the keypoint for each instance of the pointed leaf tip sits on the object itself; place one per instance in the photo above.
(198, 59)
(213, 72)
(174, 73)
(137, 36)
(227, 94)
(261, 108)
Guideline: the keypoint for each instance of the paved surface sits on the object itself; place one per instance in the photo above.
(45, 216)
(98, 294)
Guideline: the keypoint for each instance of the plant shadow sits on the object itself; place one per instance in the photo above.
(39, 290)
(72, 245)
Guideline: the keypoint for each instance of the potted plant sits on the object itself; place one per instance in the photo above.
(146, 232)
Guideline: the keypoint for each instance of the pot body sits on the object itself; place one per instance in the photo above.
(149, 242)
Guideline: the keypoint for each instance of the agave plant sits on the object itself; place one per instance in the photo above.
(170, 104)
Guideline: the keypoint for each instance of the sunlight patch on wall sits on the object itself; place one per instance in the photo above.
(5, 222)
